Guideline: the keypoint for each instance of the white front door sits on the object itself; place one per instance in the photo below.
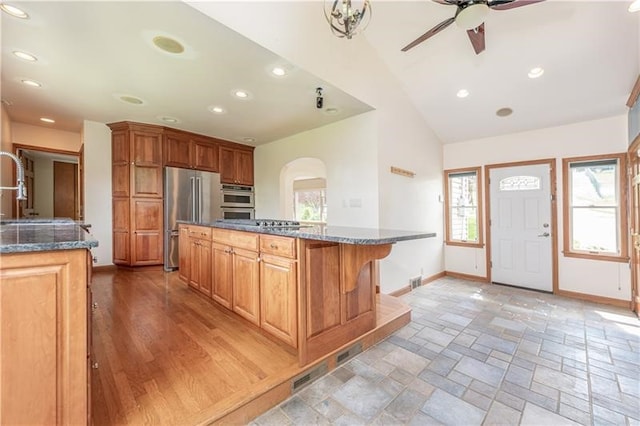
(520, 224)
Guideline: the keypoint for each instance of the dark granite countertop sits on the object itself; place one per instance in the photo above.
(34, 235)
(339, 234)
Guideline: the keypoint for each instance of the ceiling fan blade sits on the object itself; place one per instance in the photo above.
(505, 5)
(441, 26)
(476, 36)
(449, 2)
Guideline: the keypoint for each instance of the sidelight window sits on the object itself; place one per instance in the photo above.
(463, 205)
(594, 207)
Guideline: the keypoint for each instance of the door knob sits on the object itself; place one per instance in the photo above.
(544, 234)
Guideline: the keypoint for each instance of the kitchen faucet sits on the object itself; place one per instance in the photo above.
(21, 189)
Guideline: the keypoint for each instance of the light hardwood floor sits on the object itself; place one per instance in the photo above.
(166, 355)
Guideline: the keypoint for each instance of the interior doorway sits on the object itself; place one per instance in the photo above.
(522, 237)
(54, 183)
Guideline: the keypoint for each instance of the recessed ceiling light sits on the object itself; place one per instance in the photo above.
(217, 109)
(278, 71)
(168, 119)
(31, 83)
(24, 55)
(503, 112)
(47, 120)
(331, 111)
(249, 140)
(130, 99)
(635, 6)
(14, 11)
(462, 93)
(241, 94)
(168, 44)
(535, 72)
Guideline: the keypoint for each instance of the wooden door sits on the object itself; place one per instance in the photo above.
(222, 275)
(278, 298)
(120, 172)
(204, 267)
(146, 232)
(634, 225)
(65, 189)
(246, 285)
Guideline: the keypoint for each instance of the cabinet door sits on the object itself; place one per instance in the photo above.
(194, 263)
(147, 236)
(43, 340)
(177, 150)
(204, 155)
(244, 167)
(120, 172)
(146, 158)
(246, 285)
(183, 254)
(121, 235)
(227, 165)
(278, 298)
(222, 275)
(200, 257)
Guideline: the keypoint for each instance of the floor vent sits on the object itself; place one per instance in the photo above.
(307, 377)
(415, 282)
(348, 353)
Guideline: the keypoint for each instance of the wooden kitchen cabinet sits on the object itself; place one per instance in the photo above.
(278, 298)
(137, 193)
(278, 288)
(246, 285)
(184, 264)
(44, 345)
(190, 151)
(236, 165)
(200, 270)
(222, 280)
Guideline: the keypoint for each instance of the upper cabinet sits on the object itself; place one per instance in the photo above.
(190, 151)
(236, 165)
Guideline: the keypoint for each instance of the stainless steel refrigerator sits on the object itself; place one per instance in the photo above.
(189, 195)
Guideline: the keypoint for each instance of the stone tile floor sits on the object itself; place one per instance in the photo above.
(478, 354)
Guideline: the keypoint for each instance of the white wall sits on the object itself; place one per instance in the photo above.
(301, 168)
(44, 137)
(604, 136)
(344, 148)
(43, 187)
(396, 134)
(97, 187)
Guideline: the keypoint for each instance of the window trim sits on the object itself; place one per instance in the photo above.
(622, 205)
(447, 221)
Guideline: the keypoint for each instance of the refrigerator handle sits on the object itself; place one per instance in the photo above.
(193, 198)
(199, 192)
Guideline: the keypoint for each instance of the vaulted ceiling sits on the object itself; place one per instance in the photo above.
(90, 54)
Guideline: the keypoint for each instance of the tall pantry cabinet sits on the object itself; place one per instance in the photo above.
(137, 194)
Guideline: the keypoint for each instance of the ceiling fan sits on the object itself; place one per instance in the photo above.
(470, 15)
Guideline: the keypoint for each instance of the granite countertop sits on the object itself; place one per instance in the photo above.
(34, 235)
(338, 234)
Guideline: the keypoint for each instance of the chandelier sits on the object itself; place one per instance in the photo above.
(346, 20)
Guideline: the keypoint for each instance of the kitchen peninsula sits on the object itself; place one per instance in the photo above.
(45, 322)
(312, 287)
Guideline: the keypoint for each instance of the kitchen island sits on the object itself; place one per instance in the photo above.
(312, 287)
(44, 337)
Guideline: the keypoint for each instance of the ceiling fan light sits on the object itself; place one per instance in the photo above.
(635, 6)
(472, 16)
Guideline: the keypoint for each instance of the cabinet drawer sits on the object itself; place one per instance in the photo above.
(279, 246)
(240, 239)
(200, 232)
